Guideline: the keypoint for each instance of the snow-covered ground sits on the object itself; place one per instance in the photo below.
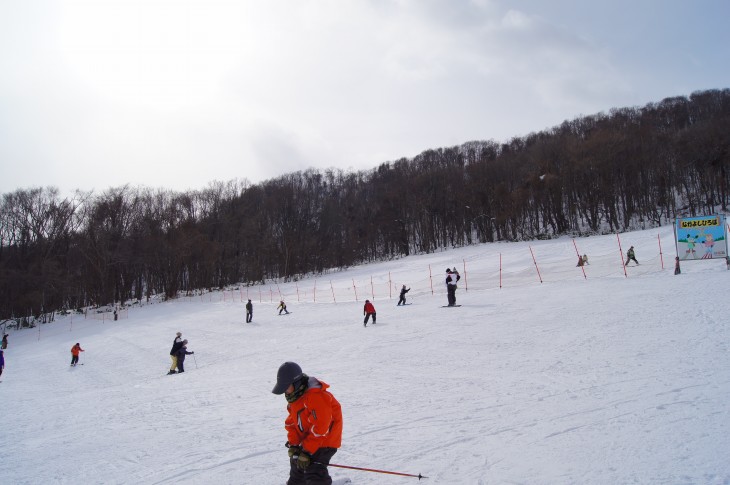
(603, 379)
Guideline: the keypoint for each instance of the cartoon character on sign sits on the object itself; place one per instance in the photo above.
(691, 241)
(709, 244)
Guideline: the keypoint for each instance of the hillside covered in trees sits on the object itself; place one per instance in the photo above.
(629, 168)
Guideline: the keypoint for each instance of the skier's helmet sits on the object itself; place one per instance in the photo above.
(288, 373)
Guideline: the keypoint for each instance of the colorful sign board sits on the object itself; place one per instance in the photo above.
(701, 237)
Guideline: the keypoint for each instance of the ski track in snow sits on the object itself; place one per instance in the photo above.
(605, 379)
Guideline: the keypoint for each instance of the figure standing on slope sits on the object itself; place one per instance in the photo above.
(403, 292)
(2, 361)
(313, 425)
(176, 344)
(4, 345)
(249, 311)
(677, 269)
(368, 310)
(181, 356)
(630, 256)
(75, 350)
(282, 307)
(452, 277)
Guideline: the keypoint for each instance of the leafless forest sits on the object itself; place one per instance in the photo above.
(629, 168)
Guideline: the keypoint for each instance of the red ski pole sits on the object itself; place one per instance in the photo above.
(419, 476)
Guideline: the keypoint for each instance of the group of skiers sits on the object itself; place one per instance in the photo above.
(630, 256)
(249, 310)
(177, 354)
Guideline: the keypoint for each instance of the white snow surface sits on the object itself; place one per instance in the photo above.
(603, 379)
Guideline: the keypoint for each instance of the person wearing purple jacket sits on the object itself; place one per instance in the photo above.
(176, 344)
(181, 356)
(2, 362)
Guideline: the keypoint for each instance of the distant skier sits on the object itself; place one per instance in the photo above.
(75, 350)
(677, 269)
(2, 361)
(368, 310)
(4, 345)
(249, 311)
(181, 356)
(585, 259)
(452, 277)
(176, 344)
(630, 256)
(580, 261)
(403, 292)
(282, 307)
(313, 425)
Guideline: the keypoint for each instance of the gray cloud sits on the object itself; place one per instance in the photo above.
(161, 94)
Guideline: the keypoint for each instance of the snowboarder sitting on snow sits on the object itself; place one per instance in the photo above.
(403, 292)
(630, 256)
(368, 310)
(249, 311)
(181, 356)
(176, 344)
(452, 277)
(75, 353)
(282, 307)
(313, 425)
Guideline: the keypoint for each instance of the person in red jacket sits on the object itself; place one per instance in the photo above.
(75, 353)
(368, 310)
(313, 425)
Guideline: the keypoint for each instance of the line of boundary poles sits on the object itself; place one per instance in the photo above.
(465, 279)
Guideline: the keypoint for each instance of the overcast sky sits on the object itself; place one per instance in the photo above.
(178, 93)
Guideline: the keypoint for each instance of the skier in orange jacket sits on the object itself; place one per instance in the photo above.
(75, 353)
(313, 425)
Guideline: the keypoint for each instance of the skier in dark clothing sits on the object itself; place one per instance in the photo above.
(2, 362)
(403, 292)
(677, 269)
(249, 311)
(630, 256)
(5, 341)
(176, 344)
(282, 307)
(181, 356)
(452, 277)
